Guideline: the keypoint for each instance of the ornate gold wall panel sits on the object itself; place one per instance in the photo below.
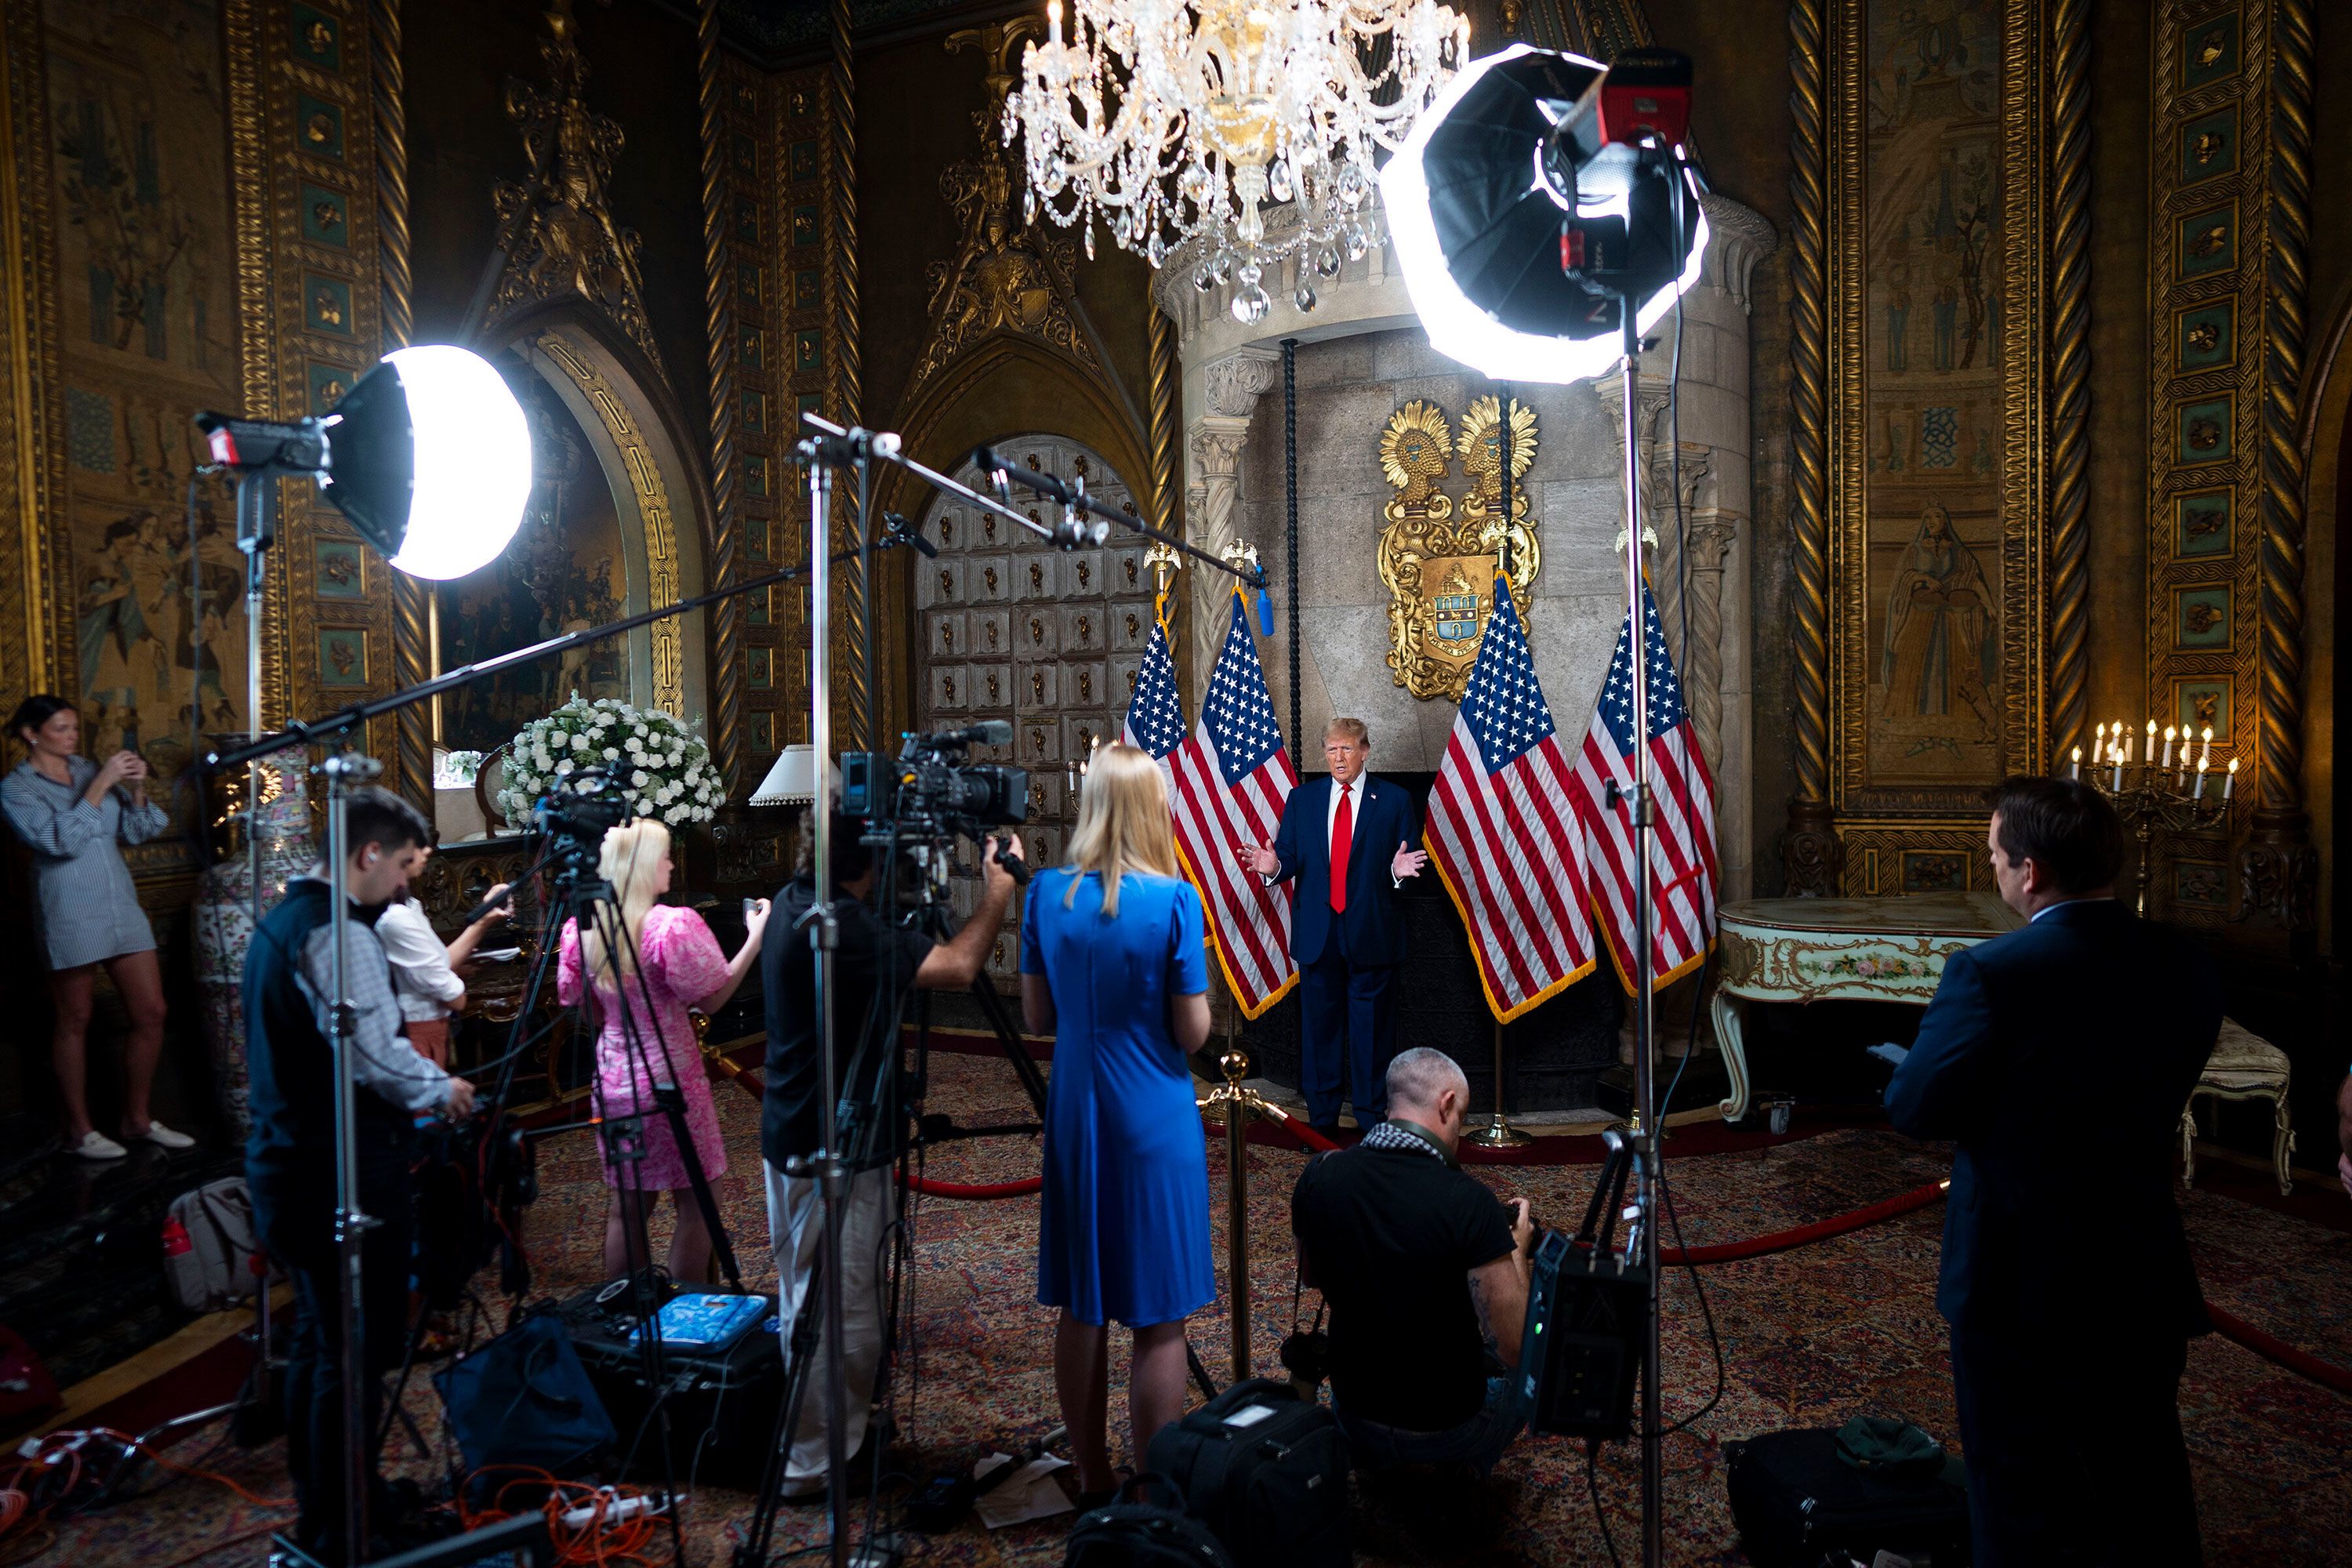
(1924, 341)
(776, 162)
(33, 542)
(2228, 208)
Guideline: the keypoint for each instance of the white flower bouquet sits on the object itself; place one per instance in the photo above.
(664, 768)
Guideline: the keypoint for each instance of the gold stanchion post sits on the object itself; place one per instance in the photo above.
(1499, 1132)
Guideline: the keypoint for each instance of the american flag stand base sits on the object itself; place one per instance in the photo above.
(1499, 1132)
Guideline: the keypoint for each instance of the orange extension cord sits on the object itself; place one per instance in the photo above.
(597, 1542)
(53, 1470)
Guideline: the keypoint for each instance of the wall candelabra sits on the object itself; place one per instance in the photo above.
(2151, 791)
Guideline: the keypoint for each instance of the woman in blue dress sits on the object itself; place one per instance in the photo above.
(1114, 965)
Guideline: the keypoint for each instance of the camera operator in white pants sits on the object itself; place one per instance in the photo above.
(869, 961)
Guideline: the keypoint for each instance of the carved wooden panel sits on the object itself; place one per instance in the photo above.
(1012, 629)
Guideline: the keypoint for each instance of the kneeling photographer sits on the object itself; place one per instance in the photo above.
(1425, 1270)
(874, 965)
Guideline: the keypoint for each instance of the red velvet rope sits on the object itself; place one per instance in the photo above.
(1782, 1240)
(974, 1192)
(2327, 1374)
(2271, 1348)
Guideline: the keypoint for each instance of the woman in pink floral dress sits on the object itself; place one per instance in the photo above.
(682, 967)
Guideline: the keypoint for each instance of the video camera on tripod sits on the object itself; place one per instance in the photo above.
(932, 794)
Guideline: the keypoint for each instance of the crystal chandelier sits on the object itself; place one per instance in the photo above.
(1177, 121)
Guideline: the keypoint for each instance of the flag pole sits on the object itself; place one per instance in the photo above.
(1499, 1132)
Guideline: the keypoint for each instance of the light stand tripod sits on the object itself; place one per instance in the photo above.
(350, 1224)
(1644, 1142)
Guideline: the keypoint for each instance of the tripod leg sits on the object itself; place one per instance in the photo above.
(673, 1105)
(1017, 1050)
(799, 1357)
(1200, 1372)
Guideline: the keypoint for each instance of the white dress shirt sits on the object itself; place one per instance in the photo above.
(421, 979)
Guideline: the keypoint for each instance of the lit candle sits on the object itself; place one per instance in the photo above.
(2119, 759)
(2207, 755)
(2149, 755)
(2169, 732)
(2077, 760)
(2229, 779)
(1054, 23)
(2199, 792)
(2098, 741)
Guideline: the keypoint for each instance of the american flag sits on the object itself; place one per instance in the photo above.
(1229, 779)
(1682, 844)
(1502, 829)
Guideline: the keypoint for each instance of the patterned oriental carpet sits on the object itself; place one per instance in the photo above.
(1810, 1337)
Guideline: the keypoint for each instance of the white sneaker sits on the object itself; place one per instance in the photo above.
(164, 1137)
(97, 1145)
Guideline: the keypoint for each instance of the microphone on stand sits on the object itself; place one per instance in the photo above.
(898, 530)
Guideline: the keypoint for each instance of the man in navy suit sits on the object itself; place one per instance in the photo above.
(1346, 930)
(2058, 1057)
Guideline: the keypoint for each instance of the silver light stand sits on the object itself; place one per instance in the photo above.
(351, 1224)
(1638, 811)
(256, 530)
(825, 933)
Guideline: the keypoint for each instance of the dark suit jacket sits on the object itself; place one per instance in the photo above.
(2058, 1057)
(1385, 817)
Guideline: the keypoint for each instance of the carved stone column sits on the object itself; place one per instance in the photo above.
(1711, 535)
(1231, 388)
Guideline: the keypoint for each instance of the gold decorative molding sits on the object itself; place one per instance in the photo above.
(718, 285)
(1440, 570)
(848, 372)
(2070, 378)
(556, 231)
(412, 625)
(1006, 275)
(1810, 850)
(652, 498)
(32, 456)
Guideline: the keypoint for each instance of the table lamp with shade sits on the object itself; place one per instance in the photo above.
(792, 780)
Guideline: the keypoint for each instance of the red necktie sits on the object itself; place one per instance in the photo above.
(1343, 824)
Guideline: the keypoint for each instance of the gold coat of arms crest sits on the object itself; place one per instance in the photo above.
(1439, 565)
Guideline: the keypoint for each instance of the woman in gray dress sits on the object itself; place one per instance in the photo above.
(70, 811)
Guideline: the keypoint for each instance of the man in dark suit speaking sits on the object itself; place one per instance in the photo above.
(2058, 1057)
(1346, 932)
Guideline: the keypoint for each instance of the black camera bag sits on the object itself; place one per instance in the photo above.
(1795, 1500)
(1266, 1471)
(1131, 1533)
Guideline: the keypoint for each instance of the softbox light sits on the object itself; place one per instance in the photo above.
(1476, 207)
(428, 456)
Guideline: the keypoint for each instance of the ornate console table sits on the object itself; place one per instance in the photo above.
(1839, 950)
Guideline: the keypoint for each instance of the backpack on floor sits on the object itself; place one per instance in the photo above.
(1797, 1496)
(1131, 1532)
(209, 1244)
(1266, 1471)
(524, 1399)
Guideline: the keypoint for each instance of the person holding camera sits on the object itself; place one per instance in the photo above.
(669, 961)
(874, 966)
(73, 813)
(1426, 1272)
(291, 1158)
(428, 975)
(1114, 964)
